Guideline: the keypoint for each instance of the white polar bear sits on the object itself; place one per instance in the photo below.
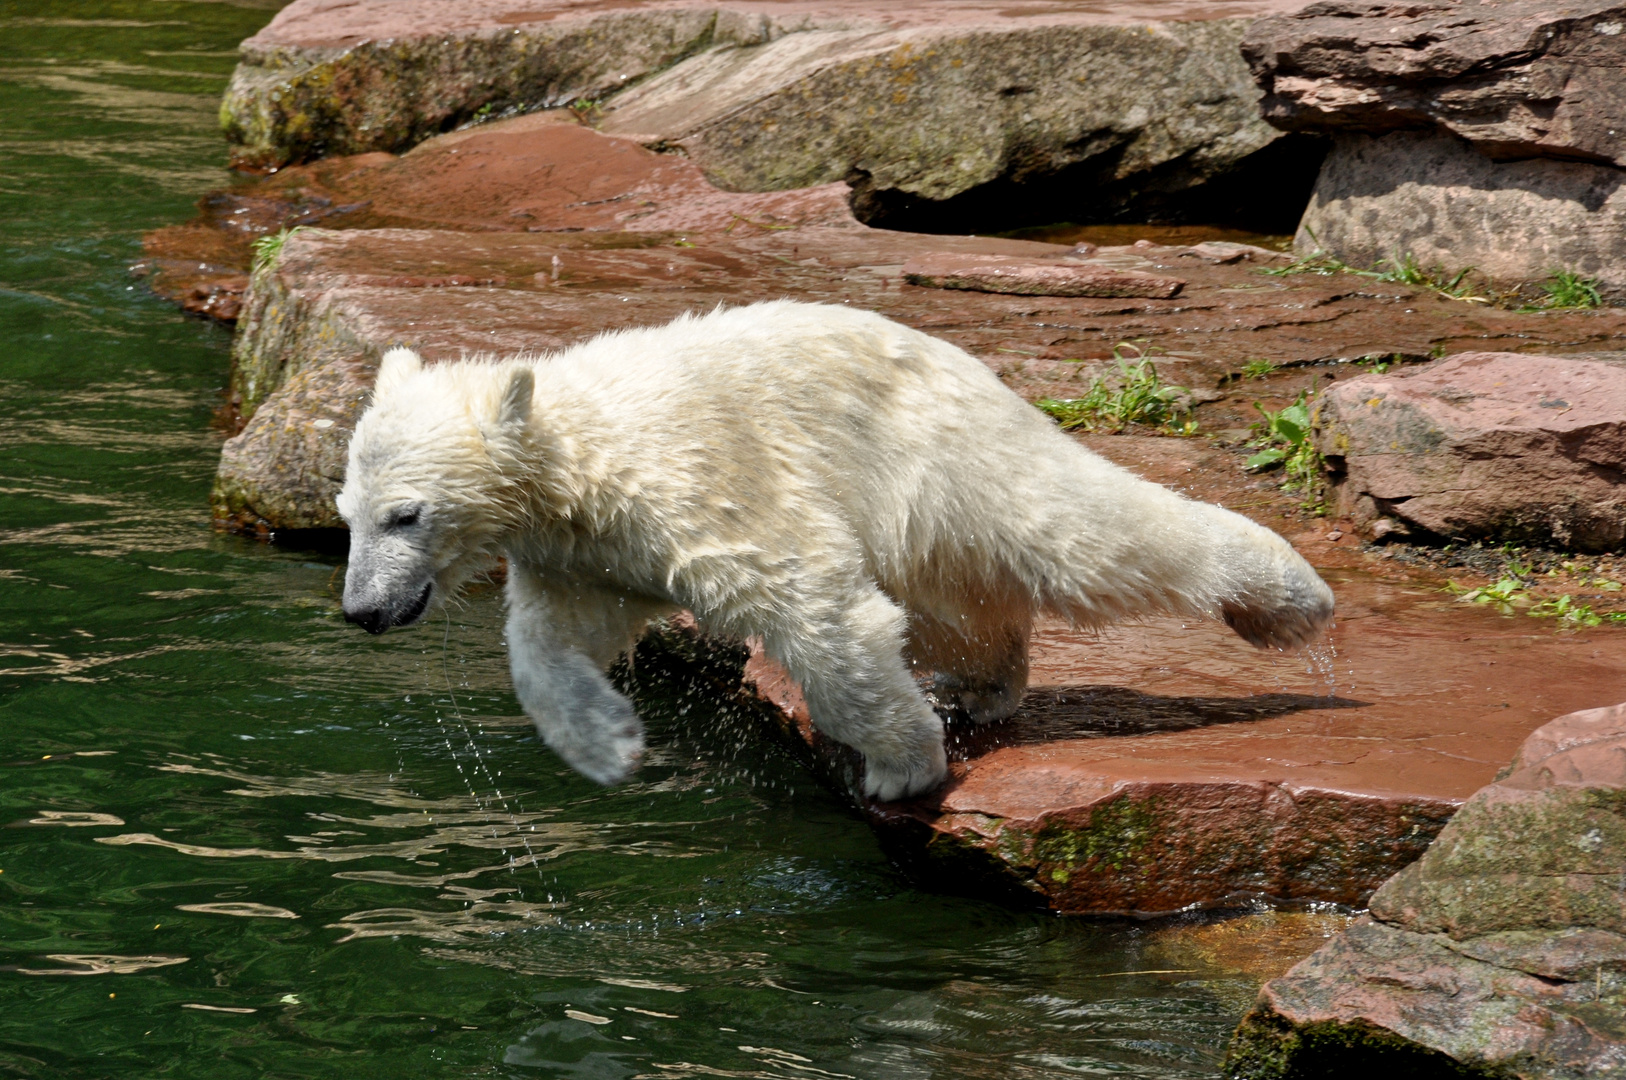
(870, 501)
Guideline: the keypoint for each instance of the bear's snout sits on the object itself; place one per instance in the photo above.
(377, 619)
(373, 620)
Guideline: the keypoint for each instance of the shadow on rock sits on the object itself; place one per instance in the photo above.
(1051, 713)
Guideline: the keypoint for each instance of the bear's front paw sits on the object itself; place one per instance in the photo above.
(615, 755)
(888, 779)
(603, 740)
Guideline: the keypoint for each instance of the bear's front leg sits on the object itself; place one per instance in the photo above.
(848, 657)
(561, 636)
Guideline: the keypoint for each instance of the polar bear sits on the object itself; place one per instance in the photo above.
(871, 502)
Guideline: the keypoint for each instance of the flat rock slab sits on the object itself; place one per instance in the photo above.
(1501, 446)
(543, 172)
(1502, 951)
(908, 101)
(1515, 78)
(1035, 277)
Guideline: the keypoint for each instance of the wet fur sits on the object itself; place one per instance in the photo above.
(870, 501)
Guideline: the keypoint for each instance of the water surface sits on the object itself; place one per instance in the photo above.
(240, 839)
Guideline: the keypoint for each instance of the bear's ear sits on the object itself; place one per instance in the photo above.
(515, 410)
(398, 365)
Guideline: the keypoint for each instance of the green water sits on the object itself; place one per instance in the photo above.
(239, 839)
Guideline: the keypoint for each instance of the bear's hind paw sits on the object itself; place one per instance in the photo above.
(889, 780)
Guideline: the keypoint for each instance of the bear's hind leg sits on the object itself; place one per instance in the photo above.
(848, 657)
(980, 675)
(562, 634)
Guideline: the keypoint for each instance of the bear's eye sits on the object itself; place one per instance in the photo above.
(404, 518)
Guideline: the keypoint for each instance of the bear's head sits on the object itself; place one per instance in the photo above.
(425, 493)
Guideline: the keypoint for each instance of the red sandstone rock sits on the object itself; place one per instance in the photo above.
(538, 173)
(1517, 78)
(1485, 445)
(1035, 277)
(1478, 135)
(344, 296)
(547, 173)
(1502, 950)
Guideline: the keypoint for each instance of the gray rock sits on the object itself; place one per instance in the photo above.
(1114, 106)
(1433, 197)
(1498, 446)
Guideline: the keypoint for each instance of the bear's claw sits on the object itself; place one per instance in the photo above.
(889, 780)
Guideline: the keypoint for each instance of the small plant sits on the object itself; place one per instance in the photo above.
(1317, 263)
(1567, 289)
(1286, 440)
(1377, 365)
(483, 113)
(268, 249)
(1139, 398)
(1405, 270)
(1568, 612)
(1257, 368)
(1505, 594)
(1402, 269)
(586, 110)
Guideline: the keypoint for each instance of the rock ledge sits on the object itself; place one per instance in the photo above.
(1501, 952)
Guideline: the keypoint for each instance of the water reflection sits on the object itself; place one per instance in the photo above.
(101, 964)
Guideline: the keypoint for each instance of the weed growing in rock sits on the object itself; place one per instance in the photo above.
(587, 110)
(1574, 615)
(1506, 594)
(268, 249)
(1285, 438)
(1139, 398)
(1318, 263)
(1405, 270)
(1567, 289)
(1400, 269)
(1257, 368)
(1512, 592)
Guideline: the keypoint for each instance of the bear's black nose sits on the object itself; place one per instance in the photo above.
(373, 620)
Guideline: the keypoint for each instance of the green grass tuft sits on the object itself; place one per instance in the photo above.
(1568, 289)
(268, 249)
(1400, 269)
(1137, 397)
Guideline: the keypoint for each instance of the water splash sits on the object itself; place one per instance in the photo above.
(480, 766)
(1321, 664)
